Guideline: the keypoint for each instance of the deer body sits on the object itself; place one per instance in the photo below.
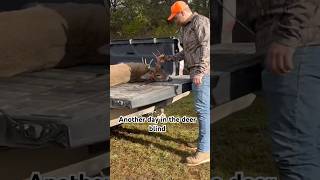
(46, 36)
(136, 72)
(129, 72)
(32, 39)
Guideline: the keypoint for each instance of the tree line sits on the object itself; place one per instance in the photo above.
(146, 18)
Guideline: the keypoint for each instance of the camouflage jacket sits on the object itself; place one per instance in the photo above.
(293, 23)
(195, 38)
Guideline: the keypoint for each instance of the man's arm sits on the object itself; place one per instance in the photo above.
(202, 29)
(288, 34)
(177, 57)
(297, 14)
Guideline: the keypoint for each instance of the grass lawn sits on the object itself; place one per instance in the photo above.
(240, 144)
(138, 154)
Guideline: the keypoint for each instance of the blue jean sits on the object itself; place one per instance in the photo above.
(201, 95)
(293, 102)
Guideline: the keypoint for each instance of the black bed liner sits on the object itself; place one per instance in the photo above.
(65, 106)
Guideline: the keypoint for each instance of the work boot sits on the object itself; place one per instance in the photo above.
(198, 158)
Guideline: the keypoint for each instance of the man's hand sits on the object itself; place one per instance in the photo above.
(197, 79)
(279, 59)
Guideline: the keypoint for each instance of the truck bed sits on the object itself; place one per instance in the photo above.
(65, 106)
(135, 95)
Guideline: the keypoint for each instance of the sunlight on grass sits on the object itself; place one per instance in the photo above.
(137, 153)
(240, 144)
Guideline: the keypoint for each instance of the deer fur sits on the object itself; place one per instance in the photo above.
(136, 72)
(51, 35)
(31, 40)
(86, 30)
(129, 72)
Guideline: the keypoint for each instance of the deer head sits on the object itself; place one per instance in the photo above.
(157, 73)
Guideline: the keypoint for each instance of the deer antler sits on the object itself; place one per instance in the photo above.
(154, 54)
(150, 62)
(158, 52)
(157, 56)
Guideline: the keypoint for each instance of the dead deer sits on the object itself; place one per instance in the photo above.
(157, 73)
(137, 72)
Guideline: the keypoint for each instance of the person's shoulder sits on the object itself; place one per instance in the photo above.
(199, 19)
(203, 17)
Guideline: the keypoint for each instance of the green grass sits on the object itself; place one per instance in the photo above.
(241, 143)
(138, 154)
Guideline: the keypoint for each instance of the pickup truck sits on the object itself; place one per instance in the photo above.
(134, 99)
(235, 75)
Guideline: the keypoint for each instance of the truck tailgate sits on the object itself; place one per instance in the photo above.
(58, 105)
(134, 95)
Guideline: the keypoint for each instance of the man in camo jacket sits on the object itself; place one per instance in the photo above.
(288, 37)
(195, 37)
